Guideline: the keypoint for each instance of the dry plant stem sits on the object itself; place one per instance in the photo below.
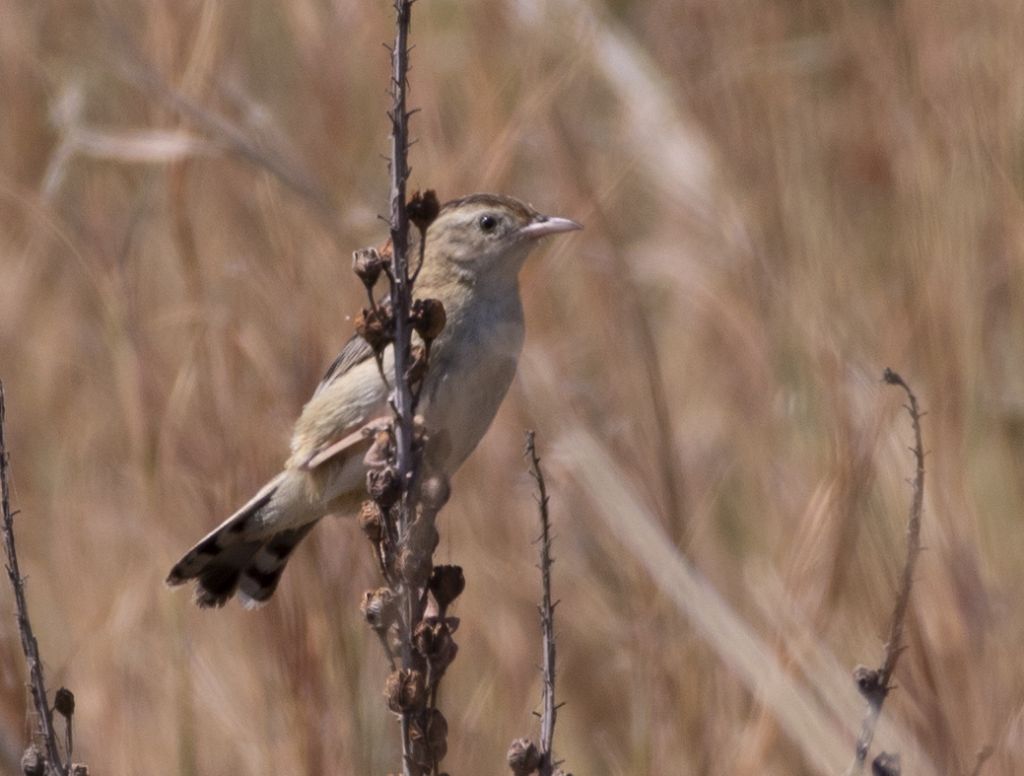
(878, 685)
(401, 300)
(29, 644)
(547, 614)
(401, 287)
(136, 68)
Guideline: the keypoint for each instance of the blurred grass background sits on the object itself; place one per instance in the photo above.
(781, 199)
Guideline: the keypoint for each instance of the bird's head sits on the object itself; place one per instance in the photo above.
(485, 236)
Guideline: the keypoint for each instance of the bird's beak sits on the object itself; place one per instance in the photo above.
(542, 226)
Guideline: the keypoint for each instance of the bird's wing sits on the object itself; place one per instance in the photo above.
(339, 420)
(356, 351)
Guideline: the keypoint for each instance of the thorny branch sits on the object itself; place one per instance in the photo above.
(401, 301)
(29, 644)
(409, 614)
(547, 613)
(524, 757)
(875, 684)
(401, 287)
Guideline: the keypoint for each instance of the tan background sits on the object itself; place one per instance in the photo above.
(781, 199)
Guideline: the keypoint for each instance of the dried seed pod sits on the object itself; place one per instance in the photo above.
(523, 757)
(376, 327)
(869, 682)
(437, 734)
(383, 486)
(33, 762)
(371, 521)
(64, 702)
(446, 584)
(405, 690)
(382, 450)
(886, 765)
(428, 318)
(379, 608)
(423, 209)
(434, 491)
(429, 637)
(433, 640)
(368, 264)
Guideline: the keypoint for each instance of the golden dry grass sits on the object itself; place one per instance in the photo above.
(781, 199)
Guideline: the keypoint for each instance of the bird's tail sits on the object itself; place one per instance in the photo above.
(241, 555)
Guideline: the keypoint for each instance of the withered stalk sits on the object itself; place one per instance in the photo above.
(875, 684)
(29, 645)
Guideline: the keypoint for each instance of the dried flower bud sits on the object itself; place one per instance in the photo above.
(423, 209)
(64, 702)
(886, 765)
(434, 491)
(869, 682)
(371, 521)
(430, 636)
(379, 608)
(375, 326)
(523, 757)
(33, 763)
(383, 486)
(381, 451)
(428, 735)
(446, 584)
(367, 263)
(437, 734)
(414, 566)
(433, 640)
(428, 318)
(405, 690)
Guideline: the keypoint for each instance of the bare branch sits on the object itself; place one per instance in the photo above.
(401, 301)
(875, 684)
(547, 614)
(29, 645)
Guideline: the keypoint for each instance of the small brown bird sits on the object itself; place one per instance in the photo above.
(472, 257)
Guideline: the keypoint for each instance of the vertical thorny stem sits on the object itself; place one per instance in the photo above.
(549, 709)
(28, 640)
(401, 300)
(875, 684)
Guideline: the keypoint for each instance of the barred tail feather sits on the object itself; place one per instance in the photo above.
(260, 576)
(239, 557)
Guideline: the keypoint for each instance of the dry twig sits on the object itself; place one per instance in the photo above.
(547, 613)
(875, 683)
(29, 645)
(523, 756)
(401, 301)
(404, 500)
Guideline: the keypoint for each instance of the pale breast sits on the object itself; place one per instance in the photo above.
(469, 377)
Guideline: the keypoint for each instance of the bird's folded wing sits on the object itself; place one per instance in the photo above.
(356, 351)
(359, 440)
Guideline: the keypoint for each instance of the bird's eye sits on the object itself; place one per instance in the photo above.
(488, 222)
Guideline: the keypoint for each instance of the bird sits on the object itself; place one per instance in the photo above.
(472, 254)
